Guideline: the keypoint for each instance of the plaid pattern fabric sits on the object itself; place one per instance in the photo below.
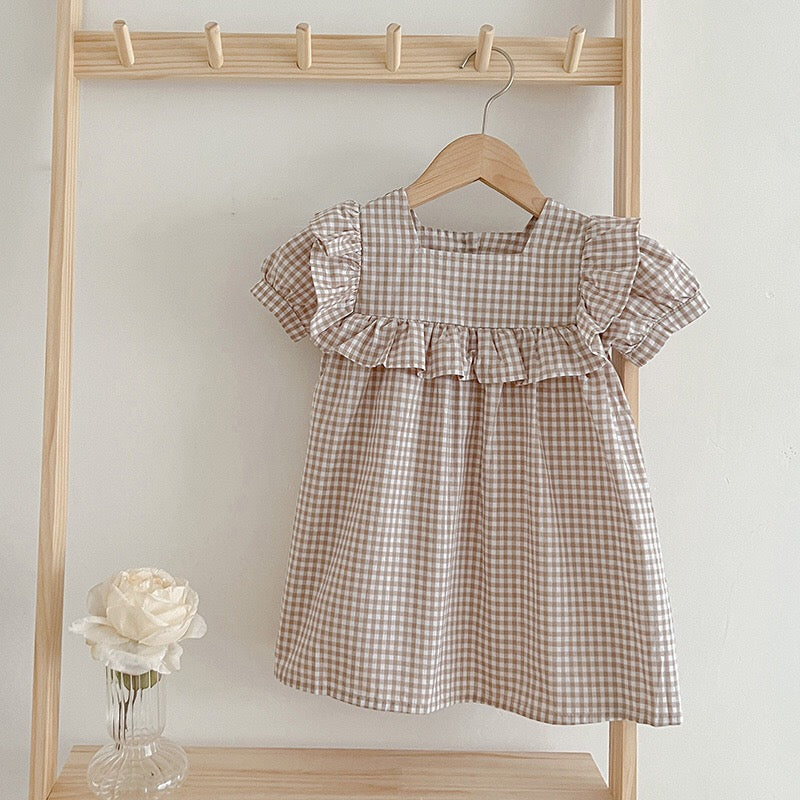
(474, 522)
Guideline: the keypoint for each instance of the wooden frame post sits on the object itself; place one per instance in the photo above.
(622, 755)
(57, 383)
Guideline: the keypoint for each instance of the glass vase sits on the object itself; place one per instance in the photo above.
(139, 762)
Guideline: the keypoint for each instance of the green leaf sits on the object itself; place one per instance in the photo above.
(143, 681)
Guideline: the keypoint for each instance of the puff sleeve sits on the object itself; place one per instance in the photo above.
(664, 297)
(286, 286)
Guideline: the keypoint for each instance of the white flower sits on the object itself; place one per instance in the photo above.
(136, 619)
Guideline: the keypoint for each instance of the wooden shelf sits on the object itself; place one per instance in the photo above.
(162, 54)
(239, 773)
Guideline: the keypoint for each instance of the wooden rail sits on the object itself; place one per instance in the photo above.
(343, 57)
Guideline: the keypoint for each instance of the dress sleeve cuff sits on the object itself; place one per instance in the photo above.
(657, 335)
(272, 299)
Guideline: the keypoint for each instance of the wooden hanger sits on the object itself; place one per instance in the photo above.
(479, 157)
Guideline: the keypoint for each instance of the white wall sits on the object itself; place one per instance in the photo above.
(190, 404)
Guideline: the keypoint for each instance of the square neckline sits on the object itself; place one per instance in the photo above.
(415, 228)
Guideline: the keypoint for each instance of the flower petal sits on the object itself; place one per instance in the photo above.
(172, 658)
(133, 661)
(163, 637)
(197, 628)
(97, 598)
(105, 634)
(79, 625)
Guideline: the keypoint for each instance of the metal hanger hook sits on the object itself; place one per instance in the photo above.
(508, 58)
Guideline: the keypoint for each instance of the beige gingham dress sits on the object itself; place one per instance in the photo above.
(474, 522)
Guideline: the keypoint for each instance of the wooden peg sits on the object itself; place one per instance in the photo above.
(393, 40)
(484, 54)
(123, 39)
(303, 31)
(214, 44)
(572, 57)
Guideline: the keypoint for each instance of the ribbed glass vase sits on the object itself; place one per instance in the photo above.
(139, 763)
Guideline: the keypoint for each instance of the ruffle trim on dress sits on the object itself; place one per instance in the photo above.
(335, 263)
(488, 355)
(608, 268)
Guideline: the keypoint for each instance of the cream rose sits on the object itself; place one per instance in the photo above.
(136, 619)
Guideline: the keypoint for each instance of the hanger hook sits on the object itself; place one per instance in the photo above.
(503, 90)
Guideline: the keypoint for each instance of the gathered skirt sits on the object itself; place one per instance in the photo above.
(458, 541)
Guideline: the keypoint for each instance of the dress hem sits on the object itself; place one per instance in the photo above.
(377, 703)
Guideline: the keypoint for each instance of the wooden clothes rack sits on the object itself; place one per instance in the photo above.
(264, 773)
